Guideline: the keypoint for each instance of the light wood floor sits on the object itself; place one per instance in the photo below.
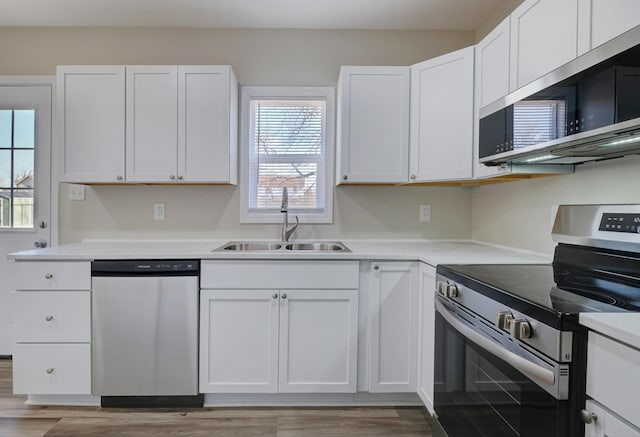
(19, 420)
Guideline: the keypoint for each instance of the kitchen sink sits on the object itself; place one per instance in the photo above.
(307, 246)
(249, 247)
(318, 247)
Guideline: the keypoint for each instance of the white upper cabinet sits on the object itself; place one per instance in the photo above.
(373, 125)
(152, 123)
(180, 124)
(544, 36)
(602, 20)
(492, 65)
(441, 143)
(207, 124)
(91, 120)
(491, 83)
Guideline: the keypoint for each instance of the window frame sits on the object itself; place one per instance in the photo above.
(250, 93)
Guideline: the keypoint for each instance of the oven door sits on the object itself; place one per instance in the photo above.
(486, 384)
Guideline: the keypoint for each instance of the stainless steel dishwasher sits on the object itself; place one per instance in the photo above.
(144, 317)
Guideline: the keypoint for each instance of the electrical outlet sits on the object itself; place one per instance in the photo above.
(76, 192)
(158, 211)
(425, 213)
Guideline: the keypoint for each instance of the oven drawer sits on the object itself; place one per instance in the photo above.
(612, 370)
(44, 369)
(52, 316)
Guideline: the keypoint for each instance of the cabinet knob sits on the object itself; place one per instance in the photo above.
(413, 176)
(345, 177)
(119, 177)
(172, 177)
(284, 295)
(180, 178)
(50, 370)
(376, 267)
(48, 318)
(588, 417)
(274, 295)
(48, 276)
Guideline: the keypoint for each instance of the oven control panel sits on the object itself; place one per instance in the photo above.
(616, 222)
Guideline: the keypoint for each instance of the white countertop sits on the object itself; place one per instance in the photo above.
(622, 327)
(432, 252)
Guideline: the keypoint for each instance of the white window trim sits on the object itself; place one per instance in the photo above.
(326, 93)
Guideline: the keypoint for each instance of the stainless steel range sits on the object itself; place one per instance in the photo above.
(510, 354)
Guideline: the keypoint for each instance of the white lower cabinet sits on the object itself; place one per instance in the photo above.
(426, 335)
(52, 369)
(607, 424)
(288, 340)
(393, 326)
(611, 382)
(51, 315)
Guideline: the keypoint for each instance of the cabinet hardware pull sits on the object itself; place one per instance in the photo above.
(50, 370)
(413, 176)
(48, 318)
(179, 178)
(119, 177)
(376, 267)
(274, 295)
(284, 295)
(345, 177)
(172, 177)
(588, 417)
(48, 276)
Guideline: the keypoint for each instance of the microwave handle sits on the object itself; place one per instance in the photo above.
(525, 366)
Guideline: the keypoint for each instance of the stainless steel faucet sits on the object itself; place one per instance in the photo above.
(284, 209)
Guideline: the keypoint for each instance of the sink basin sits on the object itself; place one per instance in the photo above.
(249, 247)
(318, 247)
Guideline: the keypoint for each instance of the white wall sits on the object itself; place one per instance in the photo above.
(519, 214)
(259, 57)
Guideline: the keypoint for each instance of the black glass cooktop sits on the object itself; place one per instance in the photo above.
(553, 288)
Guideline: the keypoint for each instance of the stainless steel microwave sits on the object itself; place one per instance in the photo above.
(588, 109)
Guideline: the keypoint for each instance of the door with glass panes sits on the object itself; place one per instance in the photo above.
(25, 181)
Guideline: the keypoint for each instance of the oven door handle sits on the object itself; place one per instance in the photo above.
(525, 366)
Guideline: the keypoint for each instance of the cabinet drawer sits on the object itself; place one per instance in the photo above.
(52, 369)
(52, 275)
(279, 275)
(52, 316)
(611, 370)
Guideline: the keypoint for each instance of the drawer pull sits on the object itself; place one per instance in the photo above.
(50, 370)
(283, 295)
(48, 318)
(48, 276)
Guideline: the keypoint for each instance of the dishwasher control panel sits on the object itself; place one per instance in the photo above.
(145, 267)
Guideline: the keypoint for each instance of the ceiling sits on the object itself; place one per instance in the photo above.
(284, 14)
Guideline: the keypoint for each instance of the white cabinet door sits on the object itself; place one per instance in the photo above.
(393, 326)
(152, 123)
(491, 83)
(239, 341)
(544, 36)
(607, 424)
(441, 144)
(318, 341)
(602, 20)
(207, 124)
(91, 123)
(373, 125)
(427, 335)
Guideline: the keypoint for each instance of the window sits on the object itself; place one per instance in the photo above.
(287, 141)
(17, 145)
